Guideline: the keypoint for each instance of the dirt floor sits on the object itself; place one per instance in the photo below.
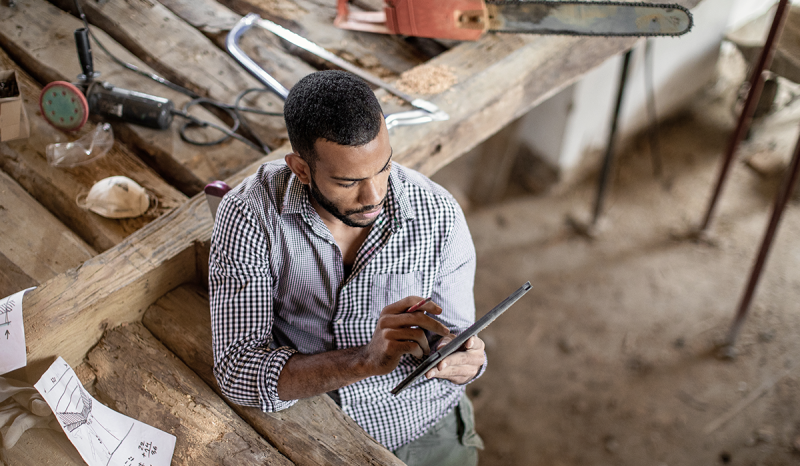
(609, 360)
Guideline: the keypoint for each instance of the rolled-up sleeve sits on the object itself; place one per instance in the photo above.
(240, 294)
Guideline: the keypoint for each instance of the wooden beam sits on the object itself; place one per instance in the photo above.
(112, 288)
(312, 432)
(13, 278)
(140, 378)
(39, 256)
(39, 37)
(118, 285)
(383, 55)
(56, 188)
(39, 447)
(263, 47)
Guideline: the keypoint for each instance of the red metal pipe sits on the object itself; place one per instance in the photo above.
(781, 199)
(756, 85)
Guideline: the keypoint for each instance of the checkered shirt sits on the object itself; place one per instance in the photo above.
(277, 286)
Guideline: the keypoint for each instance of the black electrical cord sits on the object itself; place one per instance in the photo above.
(234, 111)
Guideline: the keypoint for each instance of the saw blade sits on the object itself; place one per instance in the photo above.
(587, 18)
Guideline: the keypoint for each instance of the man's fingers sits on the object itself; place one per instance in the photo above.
(414, 319)
(462, 365)
(475, 344)
(456, 373)
(411, 334)
(408, 302)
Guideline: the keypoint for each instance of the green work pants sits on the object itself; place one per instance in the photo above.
(450, 442)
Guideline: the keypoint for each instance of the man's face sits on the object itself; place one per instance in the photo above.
(351, 183)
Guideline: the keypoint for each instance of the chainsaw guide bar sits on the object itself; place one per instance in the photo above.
(470, 19)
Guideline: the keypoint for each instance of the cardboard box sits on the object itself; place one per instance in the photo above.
(13, 118)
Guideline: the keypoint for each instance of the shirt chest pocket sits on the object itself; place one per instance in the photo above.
(390, 288)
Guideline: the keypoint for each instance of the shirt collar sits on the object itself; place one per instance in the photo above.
(396, 210)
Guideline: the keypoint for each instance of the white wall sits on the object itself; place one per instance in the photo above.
(576, 121)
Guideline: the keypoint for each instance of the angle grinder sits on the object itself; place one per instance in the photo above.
(67, 106)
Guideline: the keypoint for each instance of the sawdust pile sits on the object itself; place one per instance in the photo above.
(427, 79)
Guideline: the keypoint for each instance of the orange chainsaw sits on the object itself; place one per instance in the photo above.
(470, 19)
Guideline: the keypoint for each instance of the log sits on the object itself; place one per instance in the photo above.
(312, 432)
(182, 54)
(38, 36)
(56, 188)
(34, 240)
(137, 376)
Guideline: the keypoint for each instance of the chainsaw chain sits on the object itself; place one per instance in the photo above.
(602, 2)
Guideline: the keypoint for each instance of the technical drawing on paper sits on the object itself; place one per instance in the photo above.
(12, 333)
(5, 308)
(103, 437)
(74, 412)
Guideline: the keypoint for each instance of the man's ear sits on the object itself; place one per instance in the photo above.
(299, 167)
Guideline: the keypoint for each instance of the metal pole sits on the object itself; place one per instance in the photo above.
(756, 84)
(609, 156)
(652, 131)
(781, 199)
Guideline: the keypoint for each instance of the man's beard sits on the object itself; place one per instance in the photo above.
(329, 206)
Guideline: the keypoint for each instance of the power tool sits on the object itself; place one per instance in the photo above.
(67, 106)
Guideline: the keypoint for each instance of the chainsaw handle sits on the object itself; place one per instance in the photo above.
(438, 19)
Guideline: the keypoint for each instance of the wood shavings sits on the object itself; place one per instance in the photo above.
(427, 79)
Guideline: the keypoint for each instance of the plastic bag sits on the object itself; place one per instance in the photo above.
(87, 149)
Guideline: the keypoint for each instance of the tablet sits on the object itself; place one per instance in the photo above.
(434, 358)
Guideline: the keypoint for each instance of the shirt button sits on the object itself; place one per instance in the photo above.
(339, 322)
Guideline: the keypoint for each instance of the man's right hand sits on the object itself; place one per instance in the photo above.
(399, 332)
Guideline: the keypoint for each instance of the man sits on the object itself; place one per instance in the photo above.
(314, 263)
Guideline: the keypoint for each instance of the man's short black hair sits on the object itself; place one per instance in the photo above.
(333, 105)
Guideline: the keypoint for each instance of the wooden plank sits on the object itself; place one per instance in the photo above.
(48, 447)
(140, 378)
(383, 55)
(263, 47)
(182, 54)
(33, 239)
(13, 278)
(500, 78)
(38, 36)
(57, 188)
(118, 285)
(110, 289)
(312, 432)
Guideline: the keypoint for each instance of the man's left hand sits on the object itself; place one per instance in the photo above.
(461, 366)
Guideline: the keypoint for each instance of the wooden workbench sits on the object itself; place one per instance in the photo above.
(152, 270)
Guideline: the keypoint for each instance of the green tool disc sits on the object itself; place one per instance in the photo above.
(64, 106)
